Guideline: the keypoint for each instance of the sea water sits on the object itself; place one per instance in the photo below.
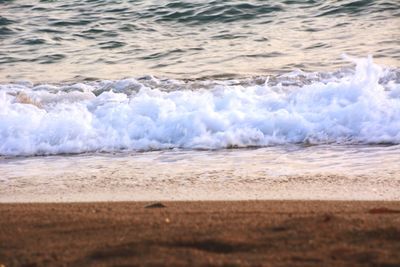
(141, 100)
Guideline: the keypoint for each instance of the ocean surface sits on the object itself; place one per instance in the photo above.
(54, 41)
(122, 100)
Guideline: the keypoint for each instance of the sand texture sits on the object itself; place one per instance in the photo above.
(237, 233)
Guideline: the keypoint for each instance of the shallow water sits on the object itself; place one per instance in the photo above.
(77, 40)
(288, 172)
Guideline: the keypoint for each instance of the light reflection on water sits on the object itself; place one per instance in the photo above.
(76, 40)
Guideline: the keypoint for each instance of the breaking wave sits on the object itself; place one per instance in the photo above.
(359, 106)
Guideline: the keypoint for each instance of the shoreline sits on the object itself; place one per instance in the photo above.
(201, 233)
(270, 173)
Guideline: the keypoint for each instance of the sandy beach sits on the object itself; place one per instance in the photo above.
(231, 233)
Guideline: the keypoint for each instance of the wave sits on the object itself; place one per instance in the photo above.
(190, 39)
(358, 106)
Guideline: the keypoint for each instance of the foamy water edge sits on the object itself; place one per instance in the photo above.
(355, 107)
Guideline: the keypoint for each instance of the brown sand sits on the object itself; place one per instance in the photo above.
(253, 233)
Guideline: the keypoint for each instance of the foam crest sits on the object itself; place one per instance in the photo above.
(360, 106)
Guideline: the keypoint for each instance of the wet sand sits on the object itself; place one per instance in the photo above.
(234, 233)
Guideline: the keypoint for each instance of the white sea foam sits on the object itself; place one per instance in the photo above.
(360, 106)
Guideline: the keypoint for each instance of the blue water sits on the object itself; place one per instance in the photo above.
(56, 41)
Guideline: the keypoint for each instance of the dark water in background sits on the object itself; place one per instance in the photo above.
(77, 40)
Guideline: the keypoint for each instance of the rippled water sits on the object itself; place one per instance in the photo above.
(76, 40)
